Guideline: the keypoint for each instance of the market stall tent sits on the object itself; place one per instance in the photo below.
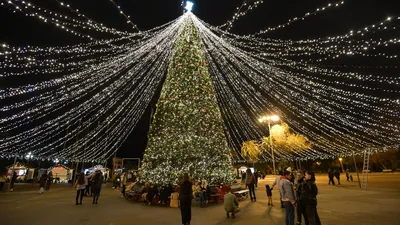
(23, 171)
(61, 173)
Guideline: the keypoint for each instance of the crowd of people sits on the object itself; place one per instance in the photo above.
(298, 194)
(297, 189)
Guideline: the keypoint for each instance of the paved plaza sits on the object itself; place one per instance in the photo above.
(344, 205)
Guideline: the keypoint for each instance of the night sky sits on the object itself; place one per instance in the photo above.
(18, 30)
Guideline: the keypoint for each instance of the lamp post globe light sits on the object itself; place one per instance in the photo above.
(269, 119)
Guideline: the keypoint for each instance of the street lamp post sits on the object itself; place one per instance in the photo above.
(341, 164)
(269, 119)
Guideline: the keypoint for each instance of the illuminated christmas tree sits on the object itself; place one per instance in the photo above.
(187, 133)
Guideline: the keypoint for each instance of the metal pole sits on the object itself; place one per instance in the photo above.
(341, 163)
(12, 173)
(272, 149)
(76, 173)
(355, 165)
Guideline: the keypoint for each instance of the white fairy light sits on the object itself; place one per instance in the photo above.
(97, 91)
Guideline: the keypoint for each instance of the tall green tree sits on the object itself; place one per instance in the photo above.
(187, 133)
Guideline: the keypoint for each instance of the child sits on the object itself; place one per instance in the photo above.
(269, 194)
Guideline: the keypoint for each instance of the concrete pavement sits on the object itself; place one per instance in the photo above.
(344, 204)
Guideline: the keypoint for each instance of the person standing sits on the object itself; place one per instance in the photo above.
(277, 182)
(96, 186)
(105, 177)
(288, 197)
(309, 198)
(347, 175)
(256, 175)
(301, 208)
(123, 183)
(185, 199)
(243, 178)
(49, 180)
(268, 189)
(42, 182)
(13, 179)
(250, 181)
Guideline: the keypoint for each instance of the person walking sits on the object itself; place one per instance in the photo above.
(42, 182)
(288, 197)
(88, 189)
(309, 198)
(49, 180)
(185, 199)
(301, 208)
(80, 186)
(250, 181)
(96, 186)
(337, 175)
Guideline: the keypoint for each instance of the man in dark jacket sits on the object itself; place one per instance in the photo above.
(337, 175)
(309, 198)
(331, 175)
(13, 179)
(301, 208)
(256, 175)
(98, 180)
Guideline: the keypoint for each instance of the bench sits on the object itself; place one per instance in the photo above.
(242, 194)
(135, 196)
(214, 198)
(387, 170)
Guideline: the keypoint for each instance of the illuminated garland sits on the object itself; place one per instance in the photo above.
(86, 99)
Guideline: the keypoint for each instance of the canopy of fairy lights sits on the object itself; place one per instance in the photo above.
(87, 98)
